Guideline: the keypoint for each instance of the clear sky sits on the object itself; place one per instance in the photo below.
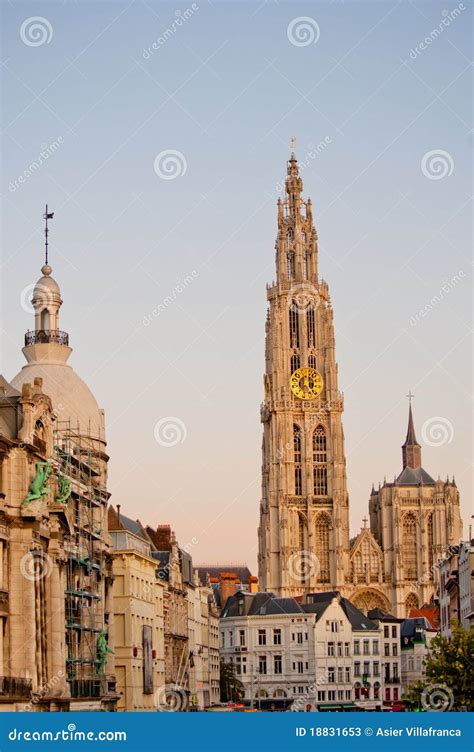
(226, 85)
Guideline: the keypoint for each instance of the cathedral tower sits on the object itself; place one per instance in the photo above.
(304, 529)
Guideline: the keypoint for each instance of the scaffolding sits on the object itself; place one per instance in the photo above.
(81, 462)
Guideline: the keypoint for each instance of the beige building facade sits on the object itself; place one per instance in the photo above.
(303, 535)
(56, 649)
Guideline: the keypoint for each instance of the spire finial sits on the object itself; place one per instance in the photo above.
(293, 144)
(410, 396)
(46, 216)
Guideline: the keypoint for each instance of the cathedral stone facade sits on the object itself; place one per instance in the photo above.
(303, 535)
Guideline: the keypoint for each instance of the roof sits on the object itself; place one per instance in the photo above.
(430, 613)
(318, 602)
(413, 477)
(6, 389)
(241, 571)
(379, 615)
(411, 438)
(411, 626)
(259, 604)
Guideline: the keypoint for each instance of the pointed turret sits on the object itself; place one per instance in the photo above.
(411, 450)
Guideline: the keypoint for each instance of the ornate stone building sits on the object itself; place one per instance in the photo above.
(304, 529)
(56, 645)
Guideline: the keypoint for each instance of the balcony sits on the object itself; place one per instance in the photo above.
(42, 336)
(92, 688)
(392, 680)
(14, 688)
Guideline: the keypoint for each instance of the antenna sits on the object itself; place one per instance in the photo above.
(46, 216)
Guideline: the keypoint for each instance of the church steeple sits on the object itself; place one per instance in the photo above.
(411, 450)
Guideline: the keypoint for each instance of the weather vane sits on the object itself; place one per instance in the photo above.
(46, 216)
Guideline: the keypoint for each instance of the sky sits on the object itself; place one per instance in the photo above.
(166, 129)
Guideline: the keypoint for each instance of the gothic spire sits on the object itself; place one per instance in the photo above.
(411, 450)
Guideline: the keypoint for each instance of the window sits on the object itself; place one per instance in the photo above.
(310, 326)
(331, 675)
(376, 691)
(356, 647)
(409, 544)
(299, 638)
(340, 694)
(376, 666)
(223, 639)
(262, 664)
(241, 665)
(294, 326)
(348, 674)
(330, 648)
(431, 551)
(410, 664)
(277, 636)
(366, 647)
(387, 695)
(394, 632)
(346, 649)
(386, 649)
(348, 694)
(339, 648)
(241, 636)
(395, 670)
(394, 649)
(386, 632)
(231, 639)
(312, 361)
(395, 694)
(320, 472)
(321, 695)
(366, 670)
(357, 668)
(322, 526)
(334, 626)
(277, 664)
(294, 362)
(357, 692)
(332, 694)
(297, 459)
(340, 675)
(290, 254)
(262, 637)
(375, 647)
(299, 667)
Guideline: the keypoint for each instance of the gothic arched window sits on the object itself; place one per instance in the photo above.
(322, 528)
(312, 361)
(295, 362)
(294, 326)
(411, 602)
(409, 547)
(431, 552)
(290, 254)
(310, 326)
(297, 441)
(320, 469)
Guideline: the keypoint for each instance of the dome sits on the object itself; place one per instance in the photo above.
(46, 289)
(71, 397)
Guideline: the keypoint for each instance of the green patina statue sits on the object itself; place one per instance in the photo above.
(38, 486)
(64, 490)
(102, 651)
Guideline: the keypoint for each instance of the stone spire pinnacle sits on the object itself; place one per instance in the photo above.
(411, 450)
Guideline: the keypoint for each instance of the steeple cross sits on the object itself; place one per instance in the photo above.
(293, 143)
(410, 396)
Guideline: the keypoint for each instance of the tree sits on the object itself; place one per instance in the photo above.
(231, 687)
(448, 665)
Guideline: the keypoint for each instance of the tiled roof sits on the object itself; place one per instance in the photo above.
(413, 477)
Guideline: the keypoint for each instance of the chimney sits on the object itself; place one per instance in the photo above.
(228, 582)
(253, 584)
(163, 538)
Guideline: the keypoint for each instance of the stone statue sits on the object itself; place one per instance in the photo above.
(38, 486)
(64, 489)
(102, 651)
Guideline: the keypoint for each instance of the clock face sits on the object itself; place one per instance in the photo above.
(306, 383)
